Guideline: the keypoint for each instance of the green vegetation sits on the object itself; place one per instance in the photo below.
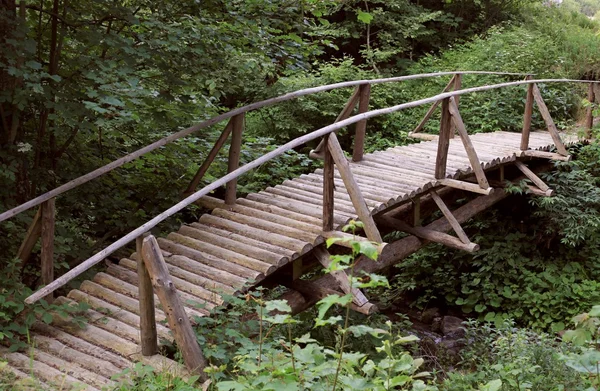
(85, 82)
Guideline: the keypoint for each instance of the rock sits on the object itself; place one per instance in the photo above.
(436, 325)
(429, 315)
(452, 325)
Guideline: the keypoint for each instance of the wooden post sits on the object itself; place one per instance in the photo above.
(443, 140)
(416, 211)
(47, 255)
(560, 147)
(234, 157)
(178, 321)
(450, 217)
(527, 118)
(33, 234)
(328, 188)
(457, 86)
(361, 127)
(589, 115)
(148, 334)
(432, 108)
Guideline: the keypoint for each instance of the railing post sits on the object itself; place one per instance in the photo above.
(589, 115)
(361, 127)
(527, 117)
(457, 86)
(443, 140)
(148, 334)
(234, 157)
(47, 254)
(328, 188)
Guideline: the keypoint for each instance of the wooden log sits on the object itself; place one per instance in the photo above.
(527, 118)
(547, 155)
(589, 113)
(347, 238)
(359, 135)
(352, 186)
(316, 183)
(443, 141)
(467, 186)
(431, 110)
(209, 159)
(457, 86)
(472, 154)
(280, 211)
(47, 254)
(31, 237)
(428, 234)
(532, 177)
(560, 147)
(237, 128)
(148, 333)
(310, 198)
(339, 192)
(450, 217)
(341, 277)
(176, 316)
(317, 292)
(536, 191)
(328, 189)
(423, 136)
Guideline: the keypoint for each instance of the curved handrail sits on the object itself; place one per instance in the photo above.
(241, 110)
(96, 258)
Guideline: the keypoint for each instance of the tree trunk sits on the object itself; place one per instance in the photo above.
(8, 23)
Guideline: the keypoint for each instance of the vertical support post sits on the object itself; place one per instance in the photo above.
(176, 316)
(589, 115)
(457, 86)
(527, 117)
(501, 173)
(443, 140)
(416, 211)
(328, 188)
(148, 334)
(361, 127)
(234, 157)
(47, 254)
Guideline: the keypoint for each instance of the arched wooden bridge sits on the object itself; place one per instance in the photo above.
(274, 236)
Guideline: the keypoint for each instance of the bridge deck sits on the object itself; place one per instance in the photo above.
(233, 248)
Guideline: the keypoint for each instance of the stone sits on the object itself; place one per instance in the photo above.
(452, 325)
(429, 315)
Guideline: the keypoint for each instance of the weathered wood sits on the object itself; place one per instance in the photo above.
(31, 237)
(176, 316)
(560, 146)
(415, 132)
(416, 211)
(450, 217)
(355, 194)
(457, 86)
(47, 253)
(466, 140)
(148, 333)
(547, 155)
(428, 234)
(443, 141)
(317, 292)
(536, 191)
(237, 128)
(347, 238)
(361, 127)
(589, 114)
(423, 136)
(527, 118)
(467, 186)
(341, 277)
(532, 177)
(209, 159)
(328, 190)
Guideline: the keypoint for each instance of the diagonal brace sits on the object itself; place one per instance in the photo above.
(450, 217)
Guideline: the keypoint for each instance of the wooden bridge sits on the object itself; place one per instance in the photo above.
(276, 235)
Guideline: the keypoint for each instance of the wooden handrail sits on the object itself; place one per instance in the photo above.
(98, 257)
(192, 129)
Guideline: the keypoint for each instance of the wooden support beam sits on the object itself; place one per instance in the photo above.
(431, 110)
(317, 153)
(532, 177)
(589, 114)
(428, 234)
(346, 238)
(209, 159)
(328, 190)
(237, 128)
(315, 292)
(457, 86)
(466, 140)
(47, 254)
(450, 217)
(361, 127)
(443, 141)
(353, 190)
(341, 277)
(31, 237)
(467, 186)
(501, 173)
(527, 118)
(560, 146)
(534, 190)
(423, 136)
(148, 333)
(178, 321)
(416, 211)
(547, 155)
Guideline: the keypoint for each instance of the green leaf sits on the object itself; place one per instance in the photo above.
(326, 303)
(494, 385)
(595, 311)
(364, 17)
(47, 318)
